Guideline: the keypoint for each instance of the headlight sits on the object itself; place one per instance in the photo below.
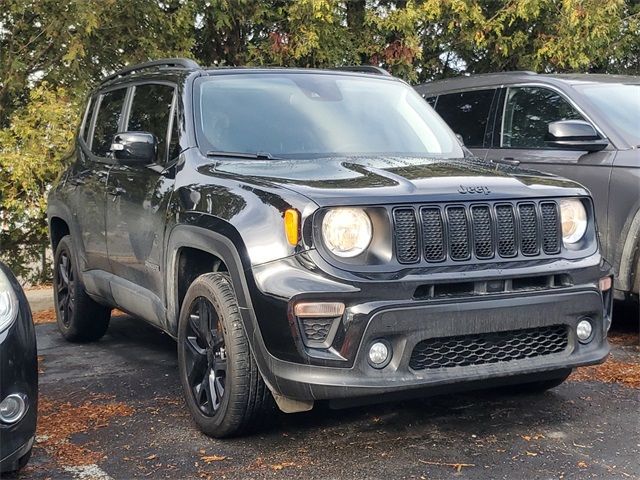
(346, 231)
(8, 303)
(574, 220)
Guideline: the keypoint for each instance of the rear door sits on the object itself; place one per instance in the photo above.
(138, 196)
(468, 114)
(523, 122)
(90, 174)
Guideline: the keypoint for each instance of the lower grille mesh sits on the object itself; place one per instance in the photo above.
(484, 348)
(316, 329)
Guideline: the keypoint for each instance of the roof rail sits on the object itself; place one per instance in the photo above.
(364, 69)
(507, 72)
(163, 62)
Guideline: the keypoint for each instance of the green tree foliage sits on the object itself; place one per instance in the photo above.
(52, 52)
(32, 149)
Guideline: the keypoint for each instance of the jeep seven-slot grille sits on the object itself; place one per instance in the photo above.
(484, 348)
(459, 233)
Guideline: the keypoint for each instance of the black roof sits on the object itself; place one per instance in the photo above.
(507, 78)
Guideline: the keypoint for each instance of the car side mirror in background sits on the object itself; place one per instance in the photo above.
(135, 147)
(574, 135)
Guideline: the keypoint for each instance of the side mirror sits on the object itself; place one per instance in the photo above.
(574, 135)
(135, 147)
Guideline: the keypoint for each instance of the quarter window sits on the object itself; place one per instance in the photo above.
(150, 112)
(107, 121)
(467, 114)
(527, 114)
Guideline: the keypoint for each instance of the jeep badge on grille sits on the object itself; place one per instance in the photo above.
(474, 189)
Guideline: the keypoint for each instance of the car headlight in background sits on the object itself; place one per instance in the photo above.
(8, 303)
(574, 220)
(346, 232)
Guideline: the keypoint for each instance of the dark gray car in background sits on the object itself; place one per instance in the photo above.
(583, 127)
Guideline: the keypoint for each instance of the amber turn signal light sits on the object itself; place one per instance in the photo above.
(319, 309)
(292, 226)
(605, 284)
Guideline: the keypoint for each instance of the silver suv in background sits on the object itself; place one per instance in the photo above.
(583, 127)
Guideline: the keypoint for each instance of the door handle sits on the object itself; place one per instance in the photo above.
(507, 161)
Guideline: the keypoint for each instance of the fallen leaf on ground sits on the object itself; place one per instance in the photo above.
(281, 466)
(40, 363)
(212, 458)
(44, 316)
(625, 339)
(612, 371)
(457, 466)
(59, 421)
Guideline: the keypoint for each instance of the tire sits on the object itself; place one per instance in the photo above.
(223, 388)
(79, 318)
(540, 386)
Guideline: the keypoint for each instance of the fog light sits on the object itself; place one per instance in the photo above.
(605, 284)
(379, 353)
(12, 408)
(584, 330)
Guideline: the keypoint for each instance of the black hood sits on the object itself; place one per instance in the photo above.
(383, 180)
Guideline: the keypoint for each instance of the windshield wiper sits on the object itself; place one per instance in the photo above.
(253, 156)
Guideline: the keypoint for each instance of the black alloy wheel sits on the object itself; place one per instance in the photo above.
(65, 287)
(205, 357)
(222, 386)
(79, 317)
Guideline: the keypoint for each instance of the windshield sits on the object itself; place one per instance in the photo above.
(620, 105)
(309, 115)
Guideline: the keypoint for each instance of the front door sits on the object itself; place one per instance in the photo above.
(137, 200)
(524, 121)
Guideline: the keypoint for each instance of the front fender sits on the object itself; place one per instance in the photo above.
(221, 239)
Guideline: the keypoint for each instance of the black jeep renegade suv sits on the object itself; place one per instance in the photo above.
(318, 235)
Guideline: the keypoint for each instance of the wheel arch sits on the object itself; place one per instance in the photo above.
(60, 223)
(628, 275)
(213, 245)
(219, 238)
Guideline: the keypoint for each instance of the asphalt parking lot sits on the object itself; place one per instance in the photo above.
(114, 410)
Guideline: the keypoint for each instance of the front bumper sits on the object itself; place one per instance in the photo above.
(389, 310)
(18, 364)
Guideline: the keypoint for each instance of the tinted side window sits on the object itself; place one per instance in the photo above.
(87, 119)
(150, 112)
(527, 114)
(467, 113)
(107, 121)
